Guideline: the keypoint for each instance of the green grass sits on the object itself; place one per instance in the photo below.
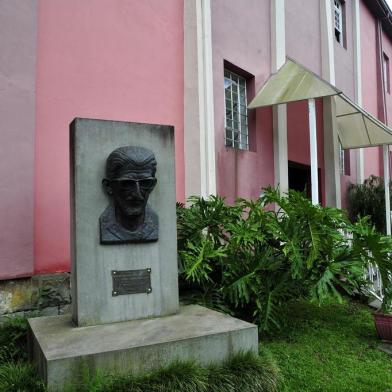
(332, 348)
(13, 339)
(19, 377)
(242, 373)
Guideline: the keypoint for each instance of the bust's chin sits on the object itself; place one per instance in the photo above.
(133, 213)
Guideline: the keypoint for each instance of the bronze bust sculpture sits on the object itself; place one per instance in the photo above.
(130, 178)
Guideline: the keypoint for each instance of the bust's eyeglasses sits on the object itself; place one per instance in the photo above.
(144, 183)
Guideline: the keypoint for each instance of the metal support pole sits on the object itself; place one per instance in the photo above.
(386, 186)
(313, 150)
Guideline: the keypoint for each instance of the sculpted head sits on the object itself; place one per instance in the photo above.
(130, 178)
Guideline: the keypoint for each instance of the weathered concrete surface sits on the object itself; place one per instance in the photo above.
(375, 304)
(50, 311)
(36, 293)
(386, 347)
(63, 351)
(91, 143)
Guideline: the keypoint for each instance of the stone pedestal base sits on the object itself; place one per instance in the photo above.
(62, 351)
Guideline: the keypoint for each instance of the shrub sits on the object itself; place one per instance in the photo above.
(252, 260)
(368, 199)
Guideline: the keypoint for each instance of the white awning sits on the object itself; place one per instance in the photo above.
(358, 128)
(293, 82)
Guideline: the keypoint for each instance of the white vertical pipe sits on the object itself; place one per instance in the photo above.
(278, 58)
(313, 150)
(386, 186)
(278, 34)
(331, 151)
(327, 41)
(358, 80)
(209, 141)
(331, 156)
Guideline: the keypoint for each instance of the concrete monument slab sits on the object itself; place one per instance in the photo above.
(195, 333)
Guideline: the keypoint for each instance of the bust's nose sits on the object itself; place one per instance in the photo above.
(137, 194)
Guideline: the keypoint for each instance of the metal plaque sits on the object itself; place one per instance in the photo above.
(131, 282)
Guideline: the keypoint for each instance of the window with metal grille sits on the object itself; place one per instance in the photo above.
(338, 13)
(236, 111)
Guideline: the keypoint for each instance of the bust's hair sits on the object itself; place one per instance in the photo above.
(134, 158)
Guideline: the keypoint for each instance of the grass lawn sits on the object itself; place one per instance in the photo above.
(332, 348)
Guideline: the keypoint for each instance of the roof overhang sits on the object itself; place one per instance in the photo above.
(293, 82)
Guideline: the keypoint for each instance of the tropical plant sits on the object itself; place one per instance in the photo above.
(255, 258)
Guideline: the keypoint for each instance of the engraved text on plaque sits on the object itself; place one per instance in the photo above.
(131, 282)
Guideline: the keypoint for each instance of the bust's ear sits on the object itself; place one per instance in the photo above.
(108, 188)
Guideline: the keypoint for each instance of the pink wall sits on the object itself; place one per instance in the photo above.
(369, 82)
(387, 49)
(344, 56)
(105, 59)
(346, 180)
(303, 35)
(241, 35)
(18, 35)
(123, 60)
(345, 81)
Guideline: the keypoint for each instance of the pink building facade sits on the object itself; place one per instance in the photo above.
(183, 63)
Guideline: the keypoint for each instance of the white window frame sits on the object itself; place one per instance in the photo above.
(236, 111)
(338, 21)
